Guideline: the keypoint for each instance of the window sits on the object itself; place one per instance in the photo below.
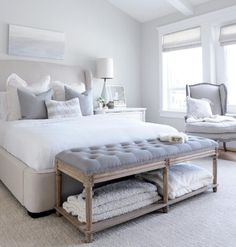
(228, 42)
(181, 65)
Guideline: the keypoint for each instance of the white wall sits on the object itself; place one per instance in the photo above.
(150, 62)
(94, 28)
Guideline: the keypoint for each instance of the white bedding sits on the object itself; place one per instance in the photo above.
(36, 142)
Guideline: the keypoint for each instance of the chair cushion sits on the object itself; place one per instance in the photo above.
(214, 128)
(101, 159)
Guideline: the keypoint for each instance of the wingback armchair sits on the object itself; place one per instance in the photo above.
(217, 94)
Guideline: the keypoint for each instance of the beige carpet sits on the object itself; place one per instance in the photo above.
(208, 220)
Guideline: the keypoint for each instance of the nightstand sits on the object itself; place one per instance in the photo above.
(127, 112)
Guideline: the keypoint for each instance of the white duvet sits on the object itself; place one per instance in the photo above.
(36, 142)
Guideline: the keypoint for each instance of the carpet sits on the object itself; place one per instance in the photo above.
(207, 220)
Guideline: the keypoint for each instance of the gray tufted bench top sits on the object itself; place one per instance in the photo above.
(100, 159)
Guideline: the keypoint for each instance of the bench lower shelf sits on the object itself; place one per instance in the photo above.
(101, 225)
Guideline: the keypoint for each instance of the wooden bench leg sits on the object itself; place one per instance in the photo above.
(58, 189)
(225, 147)
(88, 205)
(165, 187)
(88, 237)
(215, 172)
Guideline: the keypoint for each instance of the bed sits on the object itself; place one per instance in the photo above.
(28, 147)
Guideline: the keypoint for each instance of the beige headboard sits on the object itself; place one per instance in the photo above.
(34, 71)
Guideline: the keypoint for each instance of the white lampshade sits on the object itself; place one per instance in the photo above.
(105, 68)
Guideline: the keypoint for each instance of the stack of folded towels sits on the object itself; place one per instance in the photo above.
(114, 199)
(183, 178)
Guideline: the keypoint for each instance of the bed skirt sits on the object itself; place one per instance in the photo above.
(35, 190)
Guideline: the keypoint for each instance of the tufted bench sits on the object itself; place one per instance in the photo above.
(92, 165)
(100, 159)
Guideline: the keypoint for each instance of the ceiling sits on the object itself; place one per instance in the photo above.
(146, 10)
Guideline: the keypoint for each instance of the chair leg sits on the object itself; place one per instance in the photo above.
(224, 146)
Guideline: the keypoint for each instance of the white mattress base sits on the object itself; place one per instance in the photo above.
(34, 190)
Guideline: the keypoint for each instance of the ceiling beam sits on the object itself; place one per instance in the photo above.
(183, 6)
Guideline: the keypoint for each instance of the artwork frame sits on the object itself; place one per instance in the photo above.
(33, 42)
(116, 93)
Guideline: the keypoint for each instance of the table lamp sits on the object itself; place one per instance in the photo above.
(104, 71)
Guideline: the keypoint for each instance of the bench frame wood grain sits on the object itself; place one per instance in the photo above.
(88, 181)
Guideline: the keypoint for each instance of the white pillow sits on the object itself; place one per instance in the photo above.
(14, 82)
(198, 108)
(3, 105)
(59, 89)
(63, 109)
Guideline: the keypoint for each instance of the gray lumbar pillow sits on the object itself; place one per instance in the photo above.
(33, 106)
(85, 100)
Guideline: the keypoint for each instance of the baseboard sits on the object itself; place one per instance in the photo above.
(41, 214)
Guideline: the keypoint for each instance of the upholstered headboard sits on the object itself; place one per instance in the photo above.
(33, 71)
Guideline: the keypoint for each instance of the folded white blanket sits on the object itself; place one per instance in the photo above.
(183, 178)
(116, 191)
(120, 211)
(213, 119)
(78, 208)
(173, 138)
(114, 199)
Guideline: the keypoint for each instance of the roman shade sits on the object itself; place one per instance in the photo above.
(181, 40)
(228, 34)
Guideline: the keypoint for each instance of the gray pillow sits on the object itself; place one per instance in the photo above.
(85, 100)
(33, 106)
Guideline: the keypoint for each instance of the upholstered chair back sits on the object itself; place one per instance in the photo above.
(216, 93)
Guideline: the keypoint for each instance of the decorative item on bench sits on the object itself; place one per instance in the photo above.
(174, 138)
(183, 178)
(114, 199)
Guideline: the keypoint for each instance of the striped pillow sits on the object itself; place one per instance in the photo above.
(63, 109)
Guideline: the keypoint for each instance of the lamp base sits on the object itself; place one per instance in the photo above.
(104, 91)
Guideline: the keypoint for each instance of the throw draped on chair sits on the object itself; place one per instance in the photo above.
(217, 95)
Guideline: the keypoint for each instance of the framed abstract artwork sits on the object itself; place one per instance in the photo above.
(32, 42)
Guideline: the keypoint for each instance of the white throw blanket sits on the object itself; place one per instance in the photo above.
(183, 178)
(213, 119)
(173, 138)
(114, 199)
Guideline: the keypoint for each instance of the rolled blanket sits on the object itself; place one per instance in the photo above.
(116, 191)
(183, 178)
(78, 207)
(173, 138)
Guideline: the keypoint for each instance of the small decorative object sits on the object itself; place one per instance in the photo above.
(116, 93)
(101, 102)
(105, 71)
(110, 105)
(32, 42)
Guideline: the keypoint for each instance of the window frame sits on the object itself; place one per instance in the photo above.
(183, 88)
(161, 32)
